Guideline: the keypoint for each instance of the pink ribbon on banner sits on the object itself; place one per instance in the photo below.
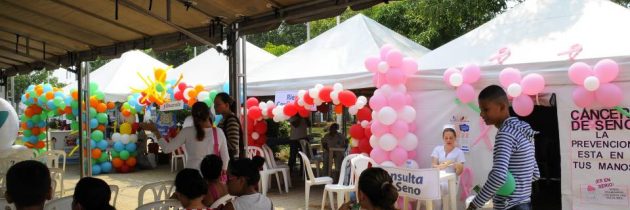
(466, 183)
(483, 135)
(573, 51)
(502, 55)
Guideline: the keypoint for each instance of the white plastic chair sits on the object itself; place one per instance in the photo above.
(221, 201)
(179, 153)
(161, 191)
(114, 189)
(4, 205)
(340, 188)
(53, 159)
(284, 169)
(252, 152)
(317, 160)
(311, 180)
(161, 205)
(53, 185)
(487, 205)
(59, 204)
(358, 165)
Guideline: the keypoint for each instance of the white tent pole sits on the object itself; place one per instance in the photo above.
(308, 31)
(338, 19)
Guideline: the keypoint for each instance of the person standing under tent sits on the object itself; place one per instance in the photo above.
(230, 124)
(333, 139)
(299, 126)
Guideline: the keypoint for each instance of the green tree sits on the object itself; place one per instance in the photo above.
(277, 50)
(36, 77)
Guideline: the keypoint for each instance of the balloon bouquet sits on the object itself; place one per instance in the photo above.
(393, 124)
(124, 148)
(256, 125)
(42, 102)
(595, 84)
(521, 89)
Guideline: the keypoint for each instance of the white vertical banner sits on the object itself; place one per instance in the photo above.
(423, 184)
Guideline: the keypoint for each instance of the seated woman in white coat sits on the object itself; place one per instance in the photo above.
(448, 157)
(202, 139)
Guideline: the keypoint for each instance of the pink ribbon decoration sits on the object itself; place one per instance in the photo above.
(466, 183)
(502, 55)
(483, 135)
(572, 52)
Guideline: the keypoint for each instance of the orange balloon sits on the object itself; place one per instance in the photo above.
(40, 144)
(126, 113)
(198, 88)
(117, 162)
(111, 105)
(35, 99)
(75, 95)
(192, 94)
(29, 145)
(39, 90)
(68, 110)
(96, 153)
(24, 126)
(131, 161)
(100, 128)
(28, 112)
(338, 109)
(192, 102)
(35, 131)
(93, 102)
(38, 110)
(27, 95)
(101, 107)
(50, 95)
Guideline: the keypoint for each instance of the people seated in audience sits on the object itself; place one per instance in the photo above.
(376, 191)
(28, 185)
(92, 194)
(211, 167)
(243, 177)
(190, 189)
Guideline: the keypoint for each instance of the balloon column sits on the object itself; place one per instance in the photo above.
(463, 81)
(124, 149)
(594, 84)
(361, 132)
(392, 140)
(521, 89)
(256, 126)
(42, 101)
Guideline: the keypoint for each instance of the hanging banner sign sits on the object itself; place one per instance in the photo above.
(173, 105)
(284, 97)
(421, 184)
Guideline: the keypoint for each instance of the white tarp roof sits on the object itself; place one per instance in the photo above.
(334, 56)
(64, 76)
(211, 69)
(536, 31)
(117, 77)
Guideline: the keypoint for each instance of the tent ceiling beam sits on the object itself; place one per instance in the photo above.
(19, 62)
(141, 10)
(27, 56)
(46, 30)
(24, 46)
(39, 39)
(195, 8)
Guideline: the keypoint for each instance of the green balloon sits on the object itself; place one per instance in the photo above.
(74, 126)
(124, 155)
(70, 116)
(97, 135)
(27, 133)
(74, 104)
(102, 118)
(133, 154)
(57, 101)
(43, 98)
(24, 118)
(133, 111)
(213, 94)
(51, 113)
(159, 87)
(95, 161)
(92, 112)
(126, 105)
(509, 186)
(114, 153)
(99, 95)
(104, 157)
(36, 118)
(42, 136)
(93, 87)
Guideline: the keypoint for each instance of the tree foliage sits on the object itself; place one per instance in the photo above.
(277, 50)
(36, 77)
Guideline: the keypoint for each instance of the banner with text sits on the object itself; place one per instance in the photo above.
(421, 184)
(173, 105)
(284, 97)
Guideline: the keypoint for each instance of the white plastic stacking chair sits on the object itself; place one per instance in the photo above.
(56, 162)
(179, 153)
(340, 188)
(221, 201)
(317, 160)
(161, 191)
(265, 174)
(114, 189)
(487, 205)
(59, 204)
(4, 205)
(161, 205)
(284, 169)
(311, 180)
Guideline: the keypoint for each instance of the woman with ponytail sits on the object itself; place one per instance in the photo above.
(376, 191)
(230, 124)
(200, 140)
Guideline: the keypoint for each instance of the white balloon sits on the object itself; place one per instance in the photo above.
(409, 142)
(456, 79)
(374, 142)
(313, 93)
(334, 95)
(400, 88)
(262, 105)
(362, 99)
(591, 83)
(353, 110)
(365, 124)
(407, 114)
(124, 138)
(300, 93)
(318, 101)
(387, 115)
(388, 164)
(412, 164)
(133, 138)
(336, 101)
(186, 91)
(374, 115)
(360, 104)
(203, 96)
(319, 86)
(255, 135)
(337, 87)
(301, 102)
(514, 90)
(270, 103)
(386, 90)
(383, 67)
(354, 142)
(116, 137)
(388, 142)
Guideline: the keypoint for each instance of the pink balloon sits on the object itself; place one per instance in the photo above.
(579, 71)
(447, 75)
(397, 100)
(582, 97)
(385, 50)
(408, 99)
(509, 76)
(533, 84)
(371, 64)
(378, 79)
(379, 155)
(395, 77)
(378, 129)
(523, 105)
(398, 156)
(411, 154)
(377, 102)
(412, 127)
(399, 129)
(609, 95)
(465, 93)
(409, 66)
(606, 70)
(471, 73)
(394, 58)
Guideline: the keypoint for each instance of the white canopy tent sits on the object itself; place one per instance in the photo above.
(535, 32)
(211, 68)
(334, 56)
(117, 77)
(64, 76)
